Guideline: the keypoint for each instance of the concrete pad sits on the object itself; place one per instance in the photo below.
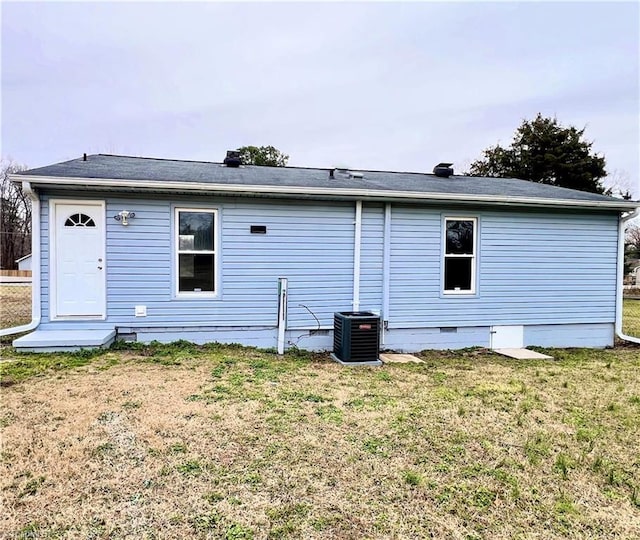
(523, 354)
(388, 358)
(376, 363)
(64, 340)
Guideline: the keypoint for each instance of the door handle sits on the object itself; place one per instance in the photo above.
(99, 267)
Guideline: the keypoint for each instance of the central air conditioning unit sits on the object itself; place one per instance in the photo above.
(356, 338)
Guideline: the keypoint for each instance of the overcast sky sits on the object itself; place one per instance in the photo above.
(393, 86)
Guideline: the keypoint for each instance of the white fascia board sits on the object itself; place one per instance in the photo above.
(335, 193)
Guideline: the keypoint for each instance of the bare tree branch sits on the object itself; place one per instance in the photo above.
(15, 218)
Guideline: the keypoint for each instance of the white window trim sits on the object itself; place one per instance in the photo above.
(474, 256)
(176, 254)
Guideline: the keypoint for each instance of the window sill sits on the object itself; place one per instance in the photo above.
(196, 296)
(455, 294)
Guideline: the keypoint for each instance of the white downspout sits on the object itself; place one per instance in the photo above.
(386, 269)
(620, 276)
(356, 257)
(35, 265)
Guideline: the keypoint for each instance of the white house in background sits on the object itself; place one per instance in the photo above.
(24, 263)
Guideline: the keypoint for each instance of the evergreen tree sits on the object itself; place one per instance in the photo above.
(544, 151)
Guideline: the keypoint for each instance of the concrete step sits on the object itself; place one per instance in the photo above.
(523, 354)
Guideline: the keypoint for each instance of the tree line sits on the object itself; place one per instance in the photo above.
(15, 218)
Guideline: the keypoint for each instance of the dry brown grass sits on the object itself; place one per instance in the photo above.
(15, 305)
(235, 443)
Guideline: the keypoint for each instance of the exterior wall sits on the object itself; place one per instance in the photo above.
(401, 340)
(554, 272)
(533, 268)
(310, 243)
(371, 262)
(569, 335)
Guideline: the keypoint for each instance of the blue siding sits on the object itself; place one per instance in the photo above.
(371, 257)
(533, 268)
(44, 259)
(310, 243)
(536, 268)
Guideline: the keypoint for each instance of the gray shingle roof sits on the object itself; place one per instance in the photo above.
(118, 170)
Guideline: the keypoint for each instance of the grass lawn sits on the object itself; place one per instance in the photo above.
(226, 442)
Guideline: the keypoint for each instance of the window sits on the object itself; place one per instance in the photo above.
(460, 255)
(79, 220)
(195, 242)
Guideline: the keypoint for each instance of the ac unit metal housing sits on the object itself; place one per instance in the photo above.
(356, 338)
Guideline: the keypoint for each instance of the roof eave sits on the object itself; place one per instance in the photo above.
(334, 193)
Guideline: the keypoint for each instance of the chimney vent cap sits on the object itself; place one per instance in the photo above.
(443, 170)
(233, 159)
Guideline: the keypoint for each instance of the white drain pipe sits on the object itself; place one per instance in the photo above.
(386, 269)
(356, 256)
(620, 276)
(35, 265)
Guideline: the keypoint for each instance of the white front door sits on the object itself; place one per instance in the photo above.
(78, 260)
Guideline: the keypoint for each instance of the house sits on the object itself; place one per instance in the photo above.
(157, 249)
(24, 263)
(632, 277)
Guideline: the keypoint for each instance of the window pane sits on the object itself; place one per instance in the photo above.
(457, 274)
(187, 242)
(79, 220)
(459, 237)
(196, 273)
(196, 231)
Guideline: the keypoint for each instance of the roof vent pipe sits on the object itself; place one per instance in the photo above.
(233, 159)
(84, 158)
(443, 170)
